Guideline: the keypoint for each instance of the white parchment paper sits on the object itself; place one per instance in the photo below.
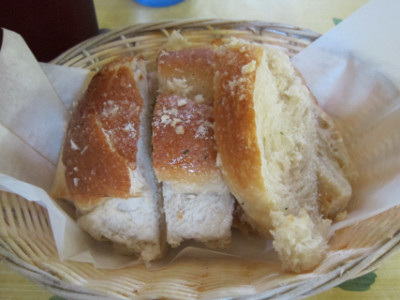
(352, 70)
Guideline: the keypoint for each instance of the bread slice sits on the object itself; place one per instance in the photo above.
(280, 155)
(335, 169)
(105, 166)
(197, 204)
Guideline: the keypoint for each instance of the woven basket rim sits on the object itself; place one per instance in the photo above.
(181, 24)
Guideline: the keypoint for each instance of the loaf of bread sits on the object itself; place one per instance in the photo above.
(105, 165)
(279, 153)
(230, 121)
(197, 204)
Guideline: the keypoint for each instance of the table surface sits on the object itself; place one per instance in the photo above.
(317, 15)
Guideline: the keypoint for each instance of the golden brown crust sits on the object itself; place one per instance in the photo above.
(101, 139)
(183, 141)
(195, 65)
(234, 113)
(183, 136)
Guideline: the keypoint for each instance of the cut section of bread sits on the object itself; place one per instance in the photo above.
(105, 167)
(280, 155)
(197, 204)
(335, 169)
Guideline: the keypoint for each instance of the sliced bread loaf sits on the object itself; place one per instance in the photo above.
(105, 166)
(280, 155)
(197, 204)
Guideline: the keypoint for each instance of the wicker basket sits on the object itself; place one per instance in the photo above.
(27, 244)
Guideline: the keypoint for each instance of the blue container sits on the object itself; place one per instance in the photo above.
(158, 3)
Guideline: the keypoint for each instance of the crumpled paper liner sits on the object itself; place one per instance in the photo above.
(353, 82)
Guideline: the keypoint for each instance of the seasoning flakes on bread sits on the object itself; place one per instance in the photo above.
(197, 204)
(233, 121)
(280, 155)
(106, 165)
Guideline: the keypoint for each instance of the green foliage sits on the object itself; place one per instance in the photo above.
(336, 20)
(56, 298)
(359, 284)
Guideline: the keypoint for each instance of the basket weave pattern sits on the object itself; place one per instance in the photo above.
(26, 239)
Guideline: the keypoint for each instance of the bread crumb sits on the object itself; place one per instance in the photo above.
(182, 102)
(130, 130)
(73, 145)
(180, 129)
(198, 98)
(179, 86)
(168, 117)
(172, 111)
(175, 121)
(250, 67)
(202, 130)
(231, 85)
(232, 41)
(109, 109)
(176, 41)
(165, 119)
(75, 169)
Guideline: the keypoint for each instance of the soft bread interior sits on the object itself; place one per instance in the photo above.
(296, 168)
(286, 129)
(132, 225)
(204, 216)
(335, 169)
(287, 133)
